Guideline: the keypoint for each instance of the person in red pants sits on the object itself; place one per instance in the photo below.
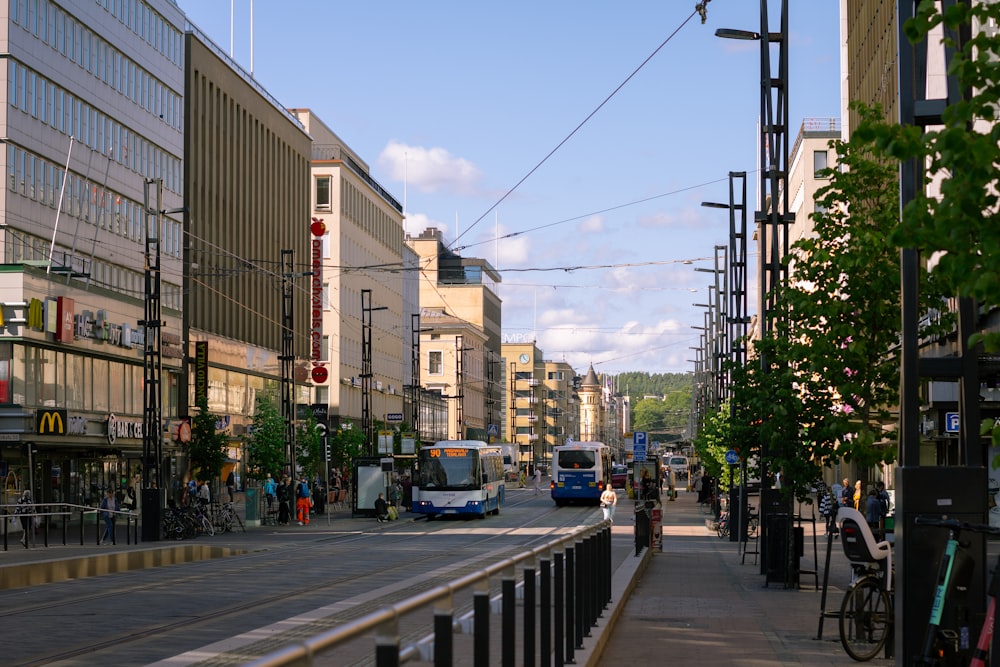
(303, 501)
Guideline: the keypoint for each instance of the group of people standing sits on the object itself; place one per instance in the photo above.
(290, 494)
(874, 505)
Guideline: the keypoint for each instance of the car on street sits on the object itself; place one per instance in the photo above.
(619, 476)
(679, 466)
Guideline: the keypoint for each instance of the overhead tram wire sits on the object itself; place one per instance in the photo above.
(699, 10)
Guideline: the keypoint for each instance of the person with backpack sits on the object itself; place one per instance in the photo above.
(270, 491)
(303, 501)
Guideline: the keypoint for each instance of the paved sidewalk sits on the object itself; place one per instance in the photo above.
(696, 603)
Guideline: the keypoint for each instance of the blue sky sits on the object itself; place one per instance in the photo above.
(452, 103)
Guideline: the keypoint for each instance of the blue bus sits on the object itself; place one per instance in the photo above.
(580, 472)
(462, 477)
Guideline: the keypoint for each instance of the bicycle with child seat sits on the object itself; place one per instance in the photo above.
(941, 646)
(866, 613)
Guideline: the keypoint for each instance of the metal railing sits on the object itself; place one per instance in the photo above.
(563, 587)
(67, 518)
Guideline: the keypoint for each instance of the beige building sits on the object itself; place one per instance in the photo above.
(459, 335)
(358, 254)
(525, 370)
(560, 405)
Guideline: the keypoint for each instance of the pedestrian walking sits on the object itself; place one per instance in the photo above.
(109, 505)
(270, 492)
(538, 480)
(303, 502)
(231, 485)
(609, 499)
(24, 510)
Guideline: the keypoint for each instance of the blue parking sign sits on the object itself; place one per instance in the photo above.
(951, 422)
(639, 438)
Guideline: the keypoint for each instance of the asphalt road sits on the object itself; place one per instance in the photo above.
(291, 582)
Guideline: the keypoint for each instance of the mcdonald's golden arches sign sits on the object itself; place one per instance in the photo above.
(50, 422)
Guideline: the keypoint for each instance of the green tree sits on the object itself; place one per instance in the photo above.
(650, 414)
(346, 444)
(831, 378)
(309, 455)
(207, 449)
(959, 225)
(265, 442)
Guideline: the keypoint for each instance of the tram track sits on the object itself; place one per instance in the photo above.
(421, 556)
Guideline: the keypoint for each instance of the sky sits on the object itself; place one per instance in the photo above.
(568, 142)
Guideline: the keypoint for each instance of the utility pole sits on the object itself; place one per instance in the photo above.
(287, 359)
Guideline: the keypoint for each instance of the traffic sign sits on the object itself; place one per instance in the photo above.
(951, 422)
(492, 429)
(639, 452)
(639, 438)
(732, 458)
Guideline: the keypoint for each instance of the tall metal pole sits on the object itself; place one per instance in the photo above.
(958, 490)
(366, 371)
(152, 436)
(415, 373)
(287, 359)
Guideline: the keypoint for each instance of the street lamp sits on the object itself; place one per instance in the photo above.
(773, 219)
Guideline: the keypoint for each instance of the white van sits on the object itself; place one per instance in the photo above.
(678, 465)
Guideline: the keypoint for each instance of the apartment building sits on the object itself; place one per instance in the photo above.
(367, 298)
(459, 335)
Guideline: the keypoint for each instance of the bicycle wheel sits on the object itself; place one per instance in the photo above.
(207, 527)
(865, 617)
(722, 528)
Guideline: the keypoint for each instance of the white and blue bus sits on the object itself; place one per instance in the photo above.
(580, 472)
(459, 477)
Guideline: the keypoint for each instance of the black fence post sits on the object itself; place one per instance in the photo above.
(570, 602)
(578, 609)
(559, 605)
(444, 648)
(528, 617)
(481, 628)
(545, 612)
(508, 588)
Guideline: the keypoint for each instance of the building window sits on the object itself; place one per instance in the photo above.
(323, 193)
(819, 163)
(435, 365)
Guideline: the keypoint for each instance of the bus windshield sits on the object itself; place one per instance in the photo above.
(448, 468)
(576, 459)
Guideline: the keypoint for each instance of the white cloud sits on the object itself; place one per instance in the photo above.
(592, 225)
(429, 169)
(415, 223)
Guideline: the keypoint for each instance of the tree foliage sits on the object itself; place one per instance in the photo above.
(825, 377)
(958, 226)
(207, 449)
(309, 454)
(265, 442)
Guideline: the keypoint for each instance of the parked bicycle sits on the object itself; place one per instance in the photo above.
(753, 524)
(227, 519)
(186, 522)
(866, 614)
(941, 645)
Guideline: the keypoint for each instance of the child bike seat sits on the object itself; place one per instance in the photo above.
(858, 540)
